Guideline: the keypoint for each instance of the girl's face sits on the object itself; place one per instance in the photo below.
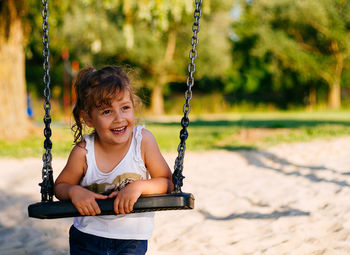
(113, 124)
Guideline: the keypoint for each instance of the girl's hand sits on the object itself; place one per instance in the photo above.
(85, 200)
(126, 198)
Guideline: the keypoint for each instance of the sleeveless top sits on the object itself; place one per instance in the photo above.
(137, 226)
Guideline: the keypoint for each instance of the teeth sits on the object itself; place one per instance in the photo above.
(119, 129)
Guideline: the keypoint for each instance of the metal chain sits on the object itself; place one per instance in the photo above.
(178, 168)
(47, 189)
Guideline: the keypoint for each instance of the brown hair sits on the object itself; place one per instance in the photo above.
(97, 88)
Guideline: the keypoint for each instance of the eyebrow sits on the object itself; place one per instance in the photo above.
(101, 109)
(127, 100)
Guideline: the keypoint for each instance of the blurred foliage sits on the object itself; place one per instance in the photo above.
(250, 52)
(282, 49)
(134, 34)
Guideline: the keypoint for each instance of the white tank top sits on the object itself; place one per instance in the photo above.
(137, 226)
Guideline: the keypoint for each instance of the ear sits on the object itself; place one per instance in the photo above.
(86, 117)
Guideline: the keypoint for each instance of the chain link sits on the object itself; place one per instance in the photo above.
(47, 177)
(47, 172)
(178, 168)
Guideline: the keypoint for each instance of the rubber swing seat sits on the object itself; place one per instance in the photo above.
(65, 209)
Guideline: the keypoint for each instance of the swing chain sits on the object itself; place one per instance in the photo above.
(47, 177)
(178, 168)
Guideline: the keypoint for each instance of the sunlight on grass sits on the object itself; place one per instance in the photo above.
(206, 132)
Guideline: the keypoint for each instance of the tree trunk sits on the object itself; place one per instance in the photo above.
(334, 101)
(157, 101)
(312, 98)
(334, 96)
(14, 121)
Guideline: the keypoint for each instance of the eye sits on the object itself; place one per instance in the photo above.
(105, 112)
(126, 107)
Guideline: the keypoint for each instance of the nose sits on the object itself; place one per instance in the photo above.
(118, 116)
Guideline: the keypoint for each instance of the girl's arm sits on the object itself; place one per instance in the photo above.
(67, 184)
(156, 165)
(161, 181)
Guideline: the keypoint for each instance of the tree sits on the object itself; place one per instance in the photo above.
(14, 121)
(310, 38)
(137, 33)
(152, 36)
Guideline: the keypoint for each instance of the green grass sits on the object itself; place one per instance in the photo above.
(208, 132)
(32, 146)
(252, 130)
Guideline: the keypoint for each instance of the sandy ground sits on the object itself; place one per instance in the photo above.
(288, 199)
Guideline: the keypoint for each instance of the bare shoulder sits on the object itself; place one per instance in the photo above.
(147, 137)
(79, 149)
(75, 167)
(149, 144)
(77, 157)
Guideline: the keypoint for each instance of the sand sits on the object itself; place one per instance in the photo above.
(287, 199)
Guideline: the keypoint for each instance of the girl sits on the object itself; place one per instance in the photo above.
(114, 161)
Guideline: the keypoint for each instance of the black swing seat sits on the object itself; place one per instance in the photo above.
(149, 203)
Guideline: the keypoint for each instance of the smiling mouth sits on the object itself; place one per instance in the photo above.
(119, 130)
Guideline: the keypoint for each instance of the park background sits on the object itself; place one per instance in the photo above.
(270, 71)
(267, 156)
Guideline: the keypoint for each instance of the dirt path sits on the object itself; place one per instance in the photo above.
(288, 199)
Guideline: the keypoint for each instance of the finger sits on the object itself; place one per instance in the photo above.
(88, 210)
(79, 208)
(116, 205)
(121, 207)
(127, 206)
(85, 210)
(100, 196)
(91, 210)
(131, 205)
(96, 207)
(80, 211)
(113, 194)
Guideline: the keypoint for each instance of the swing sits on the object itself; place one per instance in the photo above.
(178, 200)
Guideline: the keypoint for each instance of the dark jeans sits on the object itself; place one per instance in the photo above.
(85, 244)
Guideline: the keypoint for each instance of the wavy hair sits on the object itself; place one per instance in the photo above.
(98, 88)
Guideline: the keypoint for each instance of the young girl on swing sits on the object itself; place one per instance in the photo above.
(117, 160)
